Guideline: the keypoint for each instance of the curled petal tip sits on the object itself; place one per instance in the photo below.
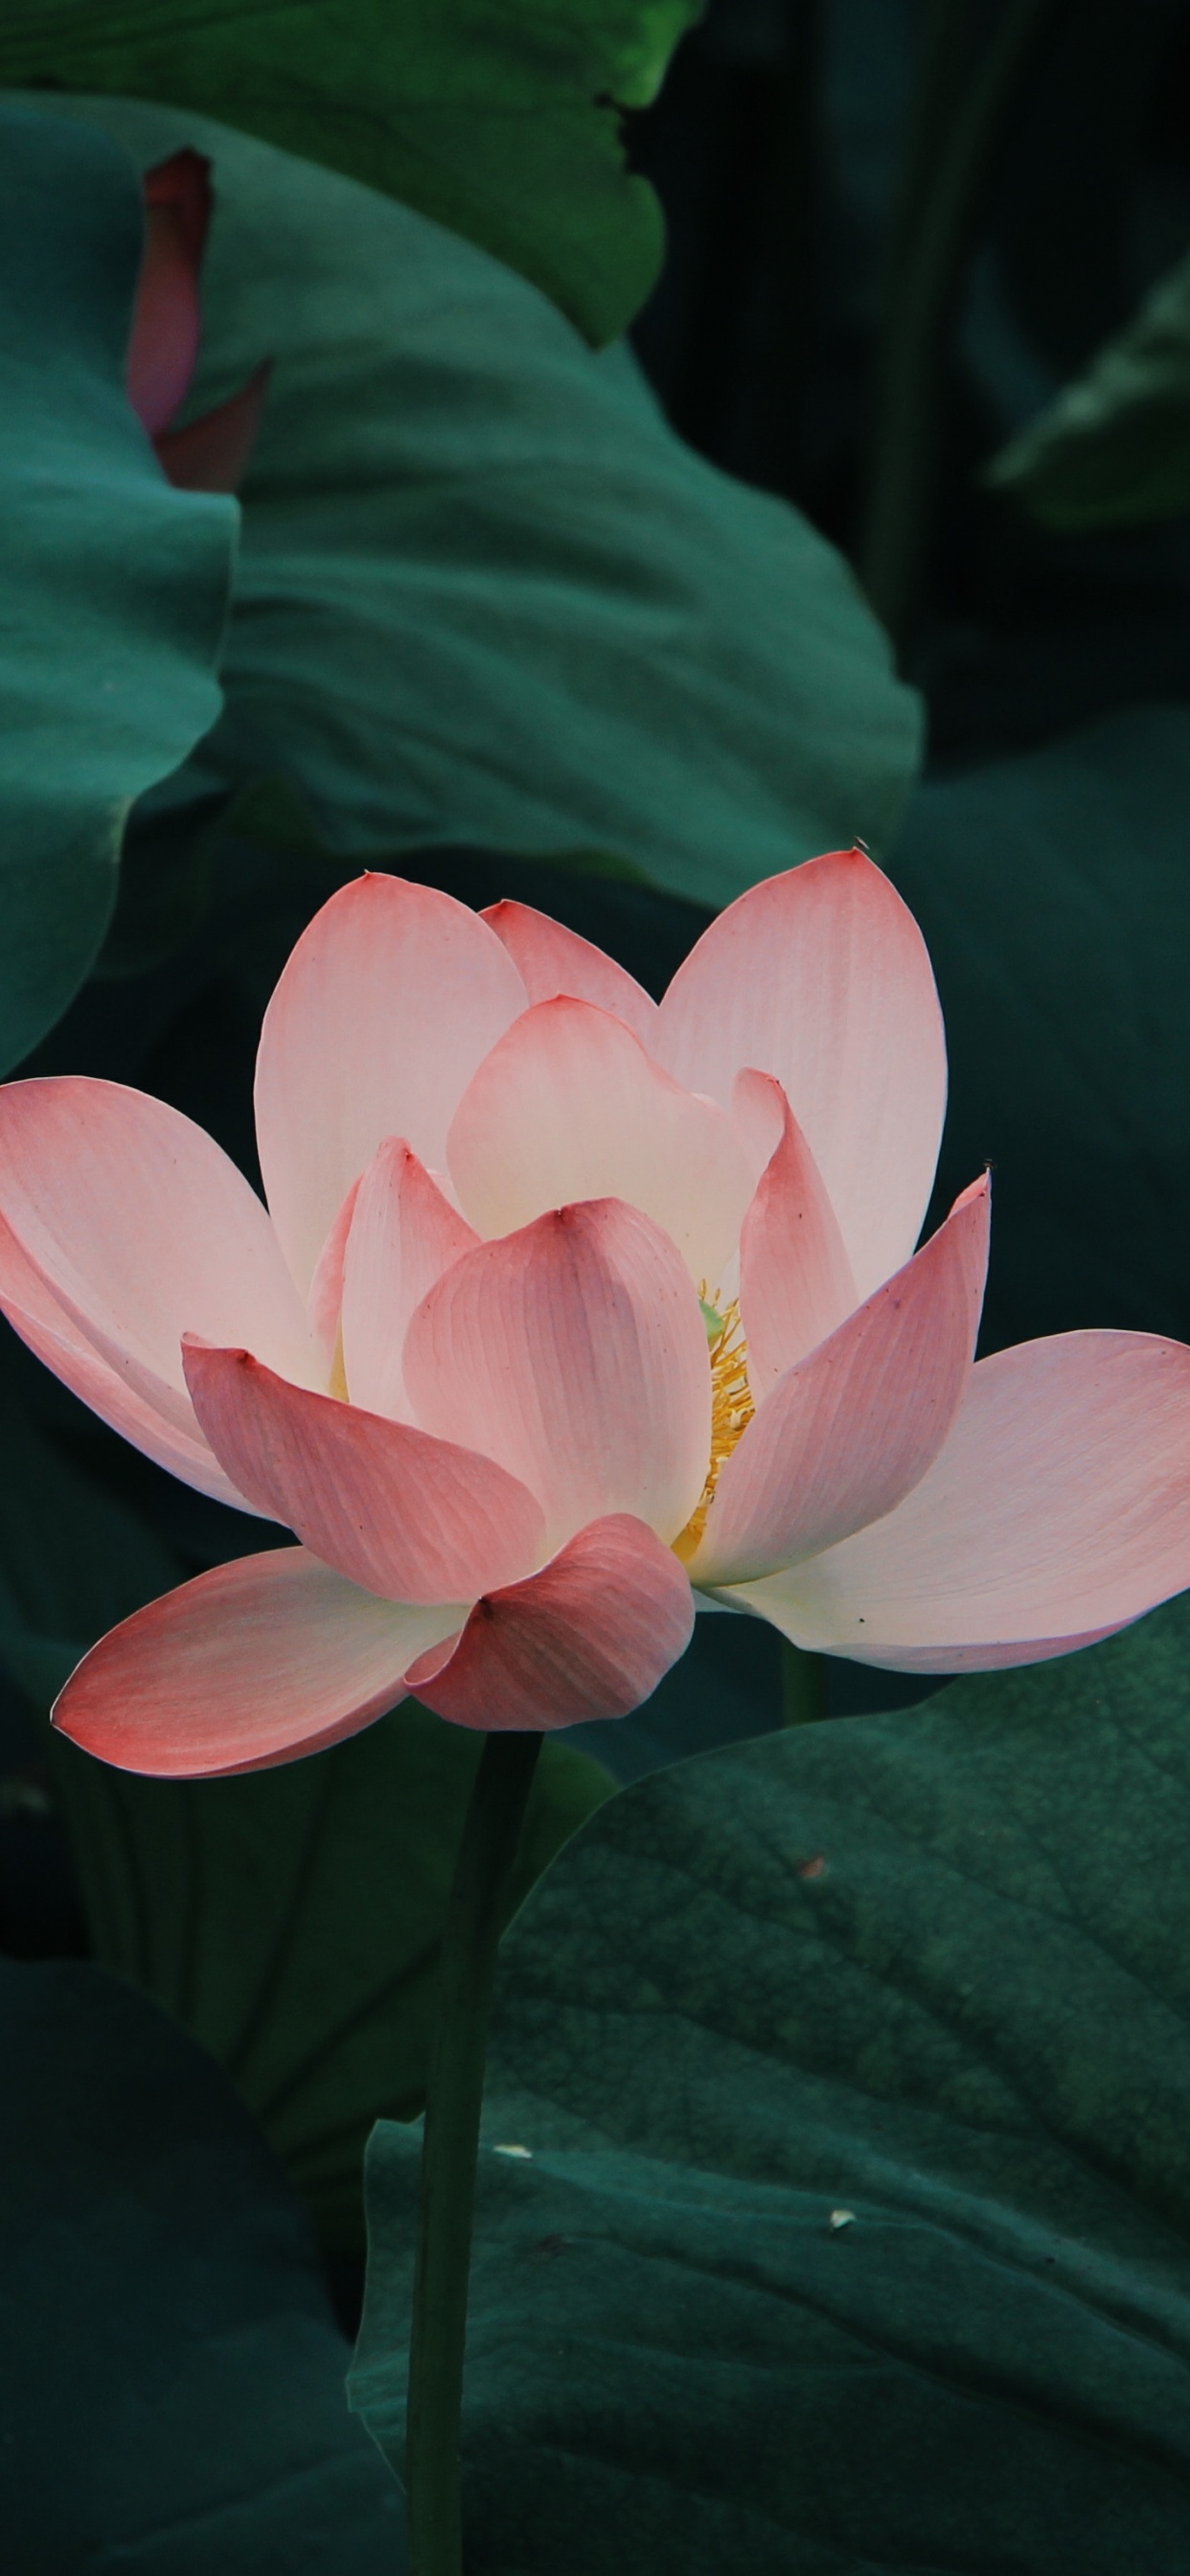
(590, 1636)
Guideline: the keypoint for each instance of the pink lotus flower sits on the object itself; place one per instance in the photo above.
(210, 454)
(566, 1306)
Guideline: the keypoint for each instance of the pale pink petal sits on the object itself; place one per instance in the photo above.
(404, 1234)
(759, 1110)
(553, 960)
(853, 1427)
(575, 1353)
(821, 978)
(590, 1636)
(325, 1301)
(1058, 1510)
(796, 1282)
(139, 1230)
(59, 1341)
(252, 1664)
(403, 1514)
(568, 1106)
(388, 1003)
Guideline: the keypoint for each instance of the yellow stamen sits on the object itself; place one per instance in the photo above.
(732, 1409)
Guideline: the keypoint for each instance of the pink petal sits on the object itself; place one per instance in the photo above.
(553, 960)
(404, 1235)
(1058, 1510)
(405, 1515)
(853, 1427)
(390, 1000)
(821, 978)
(568, 1106)
(590, 1636)
(796, 1282)
(759, 1110)
(165, 323)
(137, 1229)
(213, 454)
(325, 1301)
(58, 1341)
(252, 1664)
(575, 1353)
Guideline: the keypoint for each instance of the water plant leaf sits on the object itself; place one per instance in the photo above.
(1055, 899)
(485, 595)
(834, 2205)
(500, 118)
(116, 585)
(1113, 449)
(291, 1919)
(154, 2252)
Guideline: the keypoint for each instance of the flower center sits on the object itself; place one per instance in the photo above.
(732, 1408)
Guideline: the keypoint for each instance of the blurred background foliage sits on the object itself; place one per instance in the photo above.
(502, 123)
(521, 613)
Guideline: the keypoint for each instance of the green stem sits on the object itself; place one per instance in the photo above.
(454, 2095)
(949, 160)
(803, 1686)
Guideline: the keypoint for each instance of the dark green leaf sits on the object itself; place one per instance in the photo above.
(497, 117)
(485, 595)
(1113, 451)
(74, 1560)
(172, 2377)
(166, 886)
(292, 1918)
(115, 584)
(1054, 893)
(854, 2070)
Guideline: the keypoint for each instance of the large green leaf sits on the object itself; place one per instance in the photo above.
(115, 585)
(292, 1920)
(497, 117)
(853, 2068)
(1054, 893)
(171, 2375)
(1113, 451)
(485, 595)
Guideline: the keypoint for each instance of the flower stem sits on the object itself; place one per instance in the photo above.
(454, 2096)
(803, 1686)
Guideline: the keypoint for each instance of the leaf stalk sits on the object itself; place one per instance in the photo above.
(454, 2096)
